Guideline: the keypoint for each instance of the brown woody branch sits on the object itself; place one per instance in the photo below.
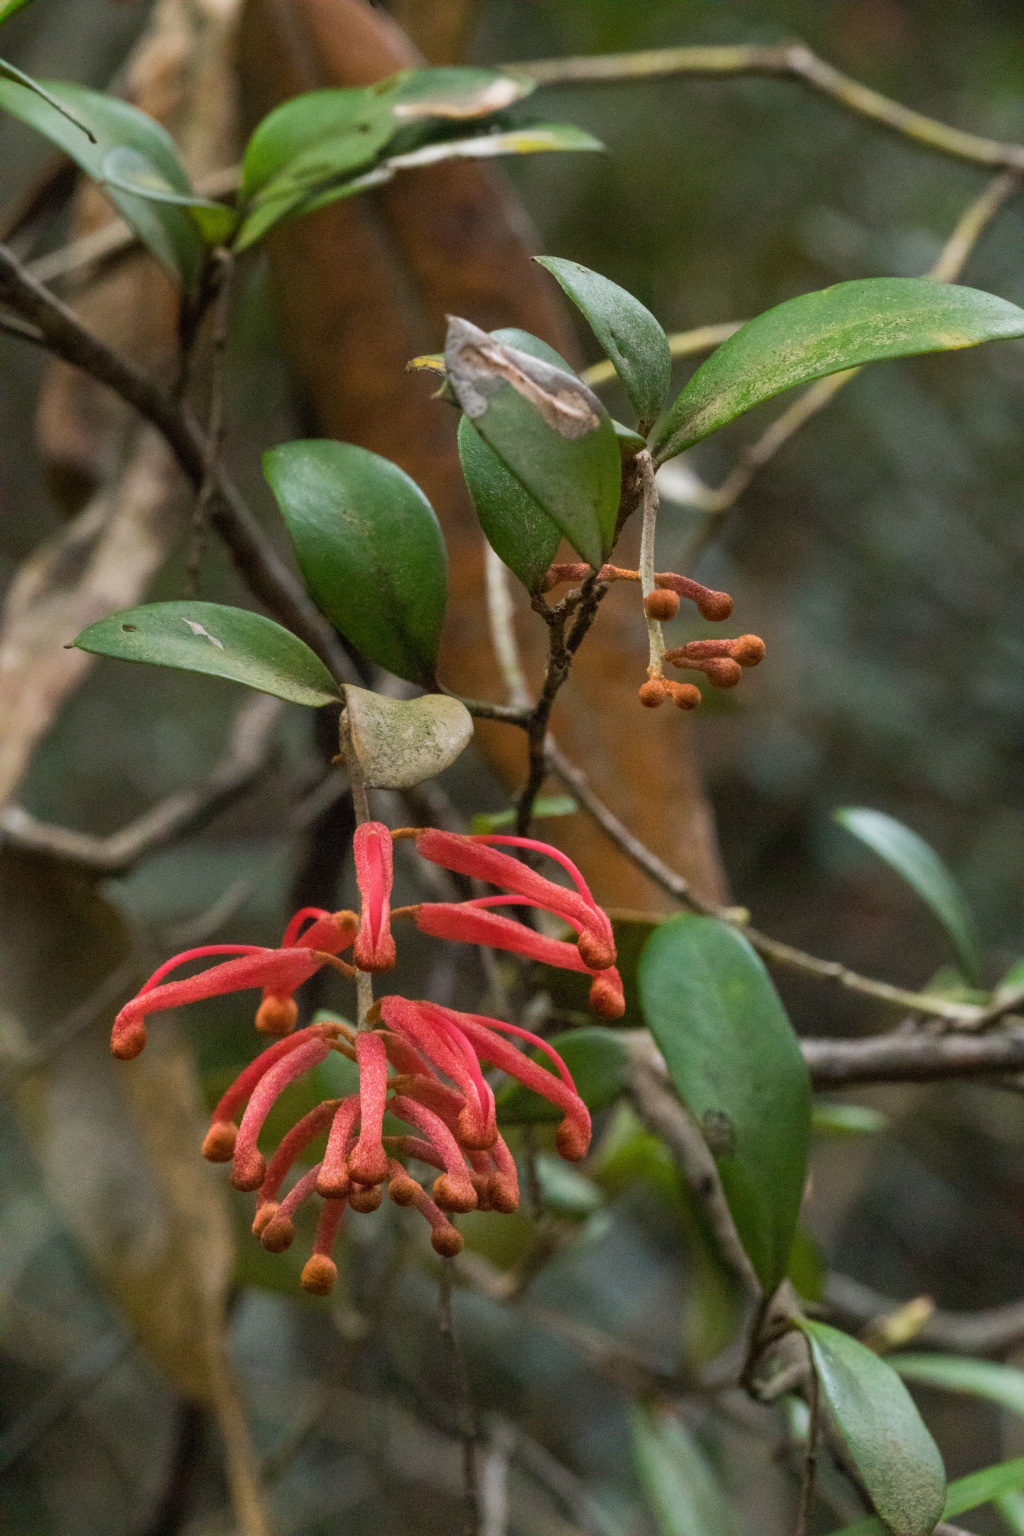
(989, 1331)
(174, 818)
(266, 575)
(794, 60)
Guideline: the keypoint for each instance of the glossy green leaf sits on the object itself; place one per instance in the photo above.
(515, 524)
(806, 1268)
(369, 547)
(824, 332)
(362, 117)
(966, 1493)
(167, 230)
(895, 1456)
(628, 332)
(547, 427)
(11, 72)
(679, 1485)
(596, 1058)
(220, 641)
(1002, 1384)
(455, 92)
(544, 805)
(910, 856)
(847, 1120)
(733, 1056)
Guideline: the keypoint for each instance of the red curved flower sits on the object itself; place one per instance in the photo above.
(371, 846)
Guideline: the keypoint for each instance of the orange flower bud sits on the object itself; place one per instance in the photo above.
(723, 674)
(446, 1241)
(748, 650)
(653, 692)
(219, 1141)
(318, 1275)
(403, 1189)
(264, 1216)
(661, 604)
(454, 1195)
(684, 695)
(278, 1234)
(277, 1016)
(365, 1197)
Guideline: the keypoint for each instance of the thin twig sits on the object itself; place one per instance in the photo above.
(793, 59)
(655, 634)
(989, 1331)
(173, 818)
(811, 1457)
(269, 579)
(914, 1057)
(961, 1014)
(224, 279)
(463, 1401)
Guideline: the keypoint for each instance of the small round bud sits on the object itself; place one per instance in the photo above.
(368, 1165)
(318, 1275)
(333, 1186)
(661, 604)
(446, 1241)
(128, 1043)
(714, 606)
(454, 1194)
(684, 695)
(595, 952)
(572, 1139)
(277, 1016)
(723, 674)
(606, 999)
(365, 1198)
(219, 1141)
(653, 692)
(748, 650)
(403, 1189)
(502, 1195)
(249, 1174)
(264, 1216)
(278, 1234)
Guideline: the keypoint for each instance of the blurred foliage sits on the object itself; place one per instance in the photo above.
(879, 556)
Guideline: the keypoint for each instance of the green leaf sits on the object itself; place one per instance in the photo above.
(629, 333)
(824, 332)
(11, 72)
(547, 427)
(895, 1456)
(733, 1056)
(369, 547)
(965, 1494)
(1002, 1384)
(847, 1120)
(220, 641)
(545, 805)
(596, 1058)
(361, 117)
(165, 229)
(515, 524)
(806, 1268)
(676, 1478)
(1011, 985)
(565, 1189)
(456, 92)
(923, 870)
(1011, 1508)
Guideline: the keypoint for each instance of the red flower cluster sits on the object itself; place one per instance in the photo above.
(425, 1056)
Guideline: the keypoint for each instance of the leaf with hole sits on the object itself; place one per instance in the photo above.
(547, 428)
(369, 548)
(677, 1481)
(167, 230)
(966, 1493)
(910, 856)
(401, 742)
(1002, 1384)
(732, 1054)
(628, 332)
(825, 332)
(896, 1458)
(596, 1058)
(515, 524)
(219, 641)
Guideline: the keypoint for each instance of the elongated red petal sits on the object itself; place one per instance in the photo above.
(250, 1166)
(435, 1031)
(299, 1137)
(280, 971)
(374, 947)
(472, 856)
(368, 1163)
(573, 1135)
(334, 1181)
(453, 1190)
(246, 1080)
